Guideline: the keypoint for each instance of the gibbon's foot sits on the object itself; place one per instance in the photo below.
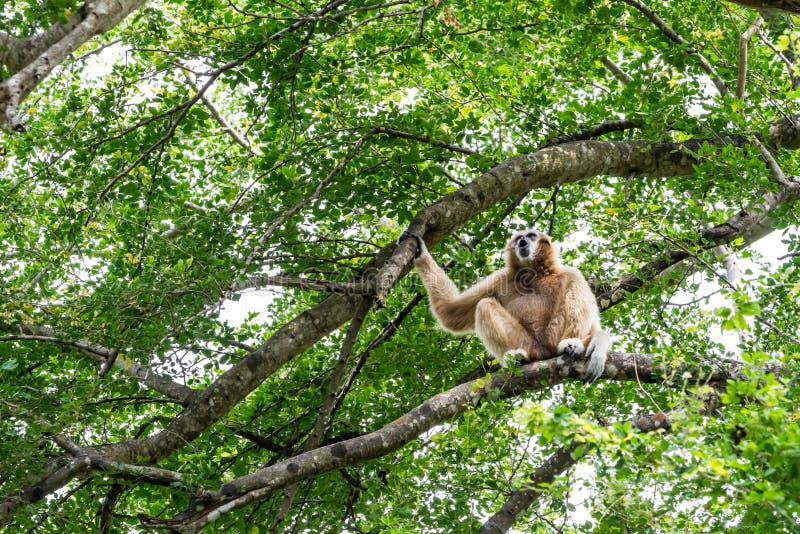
(572, 347)
(512, 357)
(594, 354)
(421, 248)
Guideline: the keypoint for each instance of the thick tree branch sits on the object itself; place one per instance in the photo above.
(58, 478)
(16, 53)
(792, 6)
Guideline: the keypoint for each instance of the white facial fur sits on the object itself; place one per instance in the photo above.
(525, 245)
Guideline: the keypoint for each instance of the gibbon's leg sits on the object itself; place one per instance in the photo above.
(501, 334)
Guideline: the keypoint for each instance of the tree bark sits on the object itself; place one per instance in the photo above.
(792, 6)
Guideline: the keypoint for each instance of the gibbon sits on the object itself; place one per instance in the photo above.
(533, 309)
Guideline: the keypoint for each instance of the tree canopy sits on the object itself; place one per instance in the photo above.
(206, 320)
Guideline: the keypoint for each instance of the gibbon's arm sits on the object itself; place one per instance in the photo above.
(454, 310)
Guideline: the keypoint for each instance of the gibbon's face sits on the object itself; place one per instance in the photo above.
(524, 245)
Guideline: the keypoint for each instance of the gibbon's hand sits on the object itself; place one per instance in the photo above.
(421, 248)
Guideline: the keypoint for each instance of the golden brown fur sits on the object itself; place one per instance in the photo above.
(534, 307)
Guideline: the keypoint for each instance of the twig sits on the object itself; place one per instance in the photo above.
(314, 196)
(422, 138)
(102, 355)
(262, 241)
(160, 142)
(773, 166)
(385, 335)
(230, 130)
(343, 288)
(787, 61)
(713, 271)
(98, 49)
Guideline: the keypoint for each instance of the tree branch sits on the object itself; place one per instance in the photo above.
(792, 6)
(749, 224)
(16, 53)
(143, 374)
(226, 127)
(595, 131)
(328, 286)
(786, 57)
(744, 39)
(51, 48)
(675, 37)
(329, 402)
(616, 70)
(106, 512)
(391, 132)
(208, 506)
(561, 460)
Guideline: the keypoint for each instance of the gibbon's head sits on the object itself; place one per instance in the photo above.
(530, 247)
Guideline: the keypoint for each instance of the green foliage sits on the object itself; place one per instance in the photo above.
(131, 219)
